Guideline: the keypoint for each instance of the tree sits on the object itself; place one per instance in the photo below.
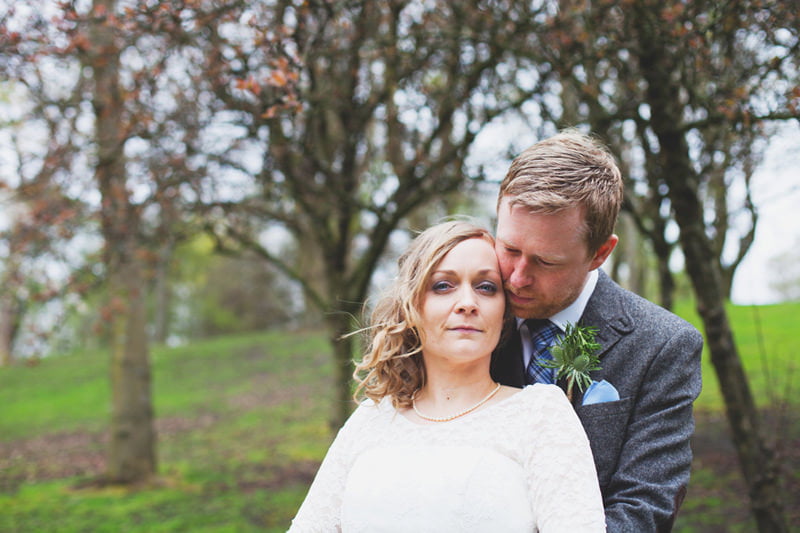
(603, 86)
(118, 82)
(393, 95)
(132, 452)
(41, 259)
(42, 224)
(685, 93)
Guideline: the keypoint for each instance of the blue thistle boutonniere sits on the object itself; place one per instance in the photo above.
(574, 357)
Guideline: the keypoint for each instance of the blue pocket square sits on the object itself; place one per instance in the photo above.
(600, 392)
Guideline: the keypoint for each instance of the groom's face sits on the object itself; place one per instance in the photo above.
(544, 259)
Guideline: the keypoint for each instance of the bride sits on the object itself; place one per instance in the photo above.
(437, 445)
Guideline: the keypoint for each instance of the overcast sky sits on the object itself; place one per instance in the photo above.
(776, 191)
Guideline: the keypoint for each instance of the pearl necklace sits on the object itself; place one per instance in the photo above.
(457, 415)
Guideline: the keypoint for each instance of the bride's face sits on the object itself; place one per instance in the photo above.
(463, 304)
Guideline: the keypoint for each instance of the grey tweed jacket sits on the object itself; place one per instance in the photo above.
(641, 442)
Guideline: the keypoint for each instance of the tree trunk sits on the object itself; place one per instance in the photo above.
(666, 281)
(7, 319)
(132, 446)
(11, 310)
(755, 457)
(705, 271)
(340, 325)
(132, 452)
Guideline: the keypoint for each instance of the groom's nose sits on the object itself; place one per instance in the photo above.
(517, 273)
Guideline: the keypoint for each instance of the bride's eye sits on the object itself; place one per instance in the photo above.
(441, 286)
(487, 287)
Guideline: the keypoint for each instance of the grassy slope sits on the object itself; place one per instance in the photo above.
(242, 426)
(241, 423)
(765, 337)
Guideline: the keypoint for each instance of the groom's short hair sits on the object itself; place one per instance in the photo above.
(566, 170)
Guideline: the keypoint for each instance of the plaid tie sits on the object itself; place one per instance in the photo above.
(543, 333)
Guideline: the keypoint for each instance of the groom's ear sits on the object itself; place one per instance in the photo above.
(603, 252)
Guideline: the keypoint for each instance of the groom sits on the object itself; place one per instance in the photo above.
(556, 213)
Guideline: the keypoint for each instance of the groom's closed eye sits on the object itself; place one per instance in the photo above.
(511, 251)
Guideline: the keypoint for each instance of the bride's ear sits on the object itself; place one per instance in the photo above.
(604, 251)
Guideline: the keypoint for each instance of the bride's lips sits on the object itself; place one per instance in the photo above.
(465, 329)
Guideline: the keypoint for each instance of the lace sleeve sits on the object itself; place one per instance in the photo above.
(561, 474)
(321, 510)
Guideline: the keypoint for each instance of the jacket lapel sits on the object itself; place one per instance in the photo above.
(604, 311)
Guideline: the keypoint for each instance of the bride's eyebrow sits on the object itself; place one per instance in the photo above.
(481, 272)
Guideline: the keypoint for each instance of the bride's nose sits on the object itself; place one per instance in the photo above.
(466, 301)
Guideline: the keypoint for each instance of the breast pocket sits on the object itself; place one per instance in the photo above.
(605, 425)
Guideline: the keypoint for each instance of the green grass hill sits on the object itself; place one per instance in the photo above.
(242, 426)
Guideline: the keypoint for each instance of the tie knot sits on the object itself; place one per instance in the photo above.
(543, 332)
(538, 324)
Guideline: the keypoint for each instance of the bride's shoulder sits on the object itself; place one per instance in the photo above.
(514, 397)
(506, 392)
(369, 409)
(538, 406)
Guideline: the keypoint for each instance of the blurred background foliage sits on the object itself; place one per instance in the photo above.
(176, 171)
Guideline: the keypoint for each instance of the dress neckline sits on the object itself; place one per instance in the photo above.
(471, 416)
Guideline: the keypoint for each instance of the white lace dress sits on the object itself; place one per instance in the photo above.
(522, 464)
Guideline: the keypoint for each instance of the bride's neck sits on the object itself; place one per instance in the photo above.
(447, 390)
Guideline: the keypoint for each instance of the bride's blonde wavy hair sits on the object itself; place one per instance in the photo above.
(392, 365)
